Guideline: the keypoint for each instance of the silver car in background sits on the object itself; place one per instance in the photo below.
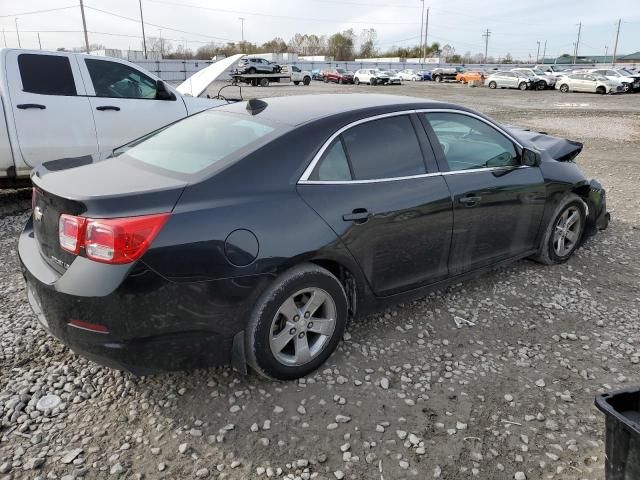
(394, 78)
(509, 80)
(588, 82)
(541, 79)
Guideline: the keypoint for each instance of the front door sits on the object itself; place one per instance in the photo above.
(372, 188)
(124, 103)
(52, 116)
(497, 202)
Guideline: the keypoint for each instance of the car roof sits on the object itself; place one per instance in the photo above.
(299, 109)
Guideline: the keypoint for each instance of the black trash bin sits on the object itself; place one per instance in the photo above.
(622, 445)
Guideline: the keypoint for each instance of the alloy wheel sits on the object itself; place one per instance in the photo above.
(566, 232)
(302, 326)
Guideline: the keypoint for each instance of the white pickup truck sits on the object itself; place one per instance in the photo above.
(61, 105)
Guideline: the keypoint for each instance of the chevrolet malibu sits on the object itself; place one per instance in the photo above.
(251, 233)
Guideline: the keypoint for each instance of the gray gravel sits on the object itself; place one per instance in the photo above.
(492, 378)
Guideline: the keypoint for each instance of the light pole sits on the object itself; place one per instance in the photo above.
(17, 32)
(421, 28)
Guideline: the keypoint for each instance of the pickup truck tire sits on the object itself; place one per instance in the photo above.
(306, 80)
(522, 86)
(356, 81)
(264, 82)
(493, 85)
(296, 82)
(437, 79)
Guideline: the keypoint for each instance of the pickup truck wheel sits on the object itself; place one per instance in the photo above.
(264, 82)
(492, 85)
(356, 81)
(522, 86)
(437, 79)
(564, 88)
(296, 82)
(306, 80)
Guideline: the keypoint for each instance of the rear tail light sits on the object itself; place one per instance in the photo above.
(112, 240)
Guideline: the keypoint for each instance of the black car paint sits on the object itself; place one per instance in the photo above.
(185, 303)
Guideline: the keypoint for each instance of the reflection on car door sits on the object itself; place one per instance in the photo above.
(497, 203)
(52, 116)
(371, 186)
(124, 104)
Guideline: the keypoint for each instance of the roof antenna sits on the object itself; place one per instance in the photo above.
(255, 106)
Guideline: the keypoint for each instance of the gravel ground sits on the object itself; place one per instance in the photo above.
(492, 378)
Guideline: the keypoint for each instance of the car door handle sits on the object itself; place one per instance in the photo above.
(358, 215)
(470, 200)
(102, 108)
(24, 106)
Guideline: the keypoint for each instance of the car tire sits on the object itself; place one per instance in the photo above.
(564, 88)
(541, 85)
(356, 81)
(601, 90)
(251, 71)
(549, 252)
(373, 82)
(296, 82)
(278, 330)
(626, 87)
(437, 79)
(264, 82)
(522, 86)
(493, 85)
(306, 81)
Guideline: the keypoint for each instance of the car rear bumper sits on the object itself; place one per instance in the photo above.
(147, 324)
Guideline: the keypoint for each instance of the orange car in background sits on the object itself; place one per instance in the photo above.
(466, 77)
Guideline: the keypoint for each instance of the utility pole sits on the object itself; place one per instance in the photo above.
(161, 44)
(426, 34)
(422, 30)
(606, 50)
(486, 36)
(84, 27)
(17, 32)
(144, 40)
(615, 46)
(39, 42)
(242, 28)
(575, 51)
(544, 53)
(538, 54)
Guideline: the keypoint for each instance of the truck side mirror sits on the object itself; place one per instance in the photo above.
(162, 92)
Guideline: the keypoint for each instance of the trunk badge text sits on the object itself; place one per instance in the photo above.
(37, 214)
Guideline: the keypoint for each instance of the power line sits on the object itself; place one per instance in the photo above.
(33, 12)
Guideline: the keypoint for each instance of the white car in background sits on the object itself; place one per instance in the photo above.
(629, 82)
(393, 77)
(410, 75)
(371, 76)
(541, 79)
(588, 82)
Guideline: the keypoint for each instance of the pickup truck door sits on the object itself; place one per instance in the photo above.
(51, 114)
(123, 101)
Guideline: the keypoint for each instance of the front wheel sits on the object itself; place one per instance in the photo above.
(373, 81)
(541, 85)
(601, 90)
(626, 87)
(356, 81)
(564, 88)
(306, 80)
(493, 85)
(437, 79)
(296, 323)
(564, 232)
(522, 86)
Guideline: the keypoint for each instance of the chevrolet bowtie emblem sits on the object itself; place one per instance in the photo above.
(37, 214)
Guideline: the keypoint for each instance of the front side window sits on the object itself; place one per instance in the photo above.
(116, 80)
(468, 143)
(384, 148)
(46, 74)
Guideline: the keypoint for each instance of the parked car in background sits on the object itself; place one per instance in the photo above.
(630, 82)
(470, 75)
(371, 76)
(185, 249)
(441, 74)
(588, 82)
(393, 78)
(338, 75)
(554, 70)
(542, 80)
(317, 74)
(251, 65)
(509, 80)
(409, 75)
(71, 105)
(426, 75)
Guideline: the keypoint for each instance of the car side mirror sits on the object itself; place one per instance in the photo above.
(162, 92)
(531, 158)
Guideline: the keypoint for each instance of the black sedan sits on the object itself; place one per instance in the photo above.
(251, 233)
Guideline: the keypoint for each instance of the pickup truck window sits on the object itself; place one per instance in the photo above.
(46, 74)
(115, 80)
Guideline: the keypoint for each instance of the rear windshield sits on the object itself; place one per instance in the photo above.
(199, 142)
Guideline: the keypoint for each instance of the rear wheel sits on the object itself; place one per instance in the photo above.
(564, 232)
(522, 86)
(437, 79)
(601, 90)
(356, 81)
(296, 82)
(541, 85)
(306, 80)
(564, 88)
(296, 323)
(492, 84)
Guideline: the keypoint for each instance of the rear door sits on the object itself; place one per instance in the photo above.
(370, 184)
(497, 202)
(52, 116)
(123, 101)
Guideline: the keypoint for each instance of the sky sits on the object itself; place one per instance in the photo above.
(515, 27)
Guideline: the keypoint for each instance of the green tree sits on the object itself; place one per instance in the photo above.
(340, 45)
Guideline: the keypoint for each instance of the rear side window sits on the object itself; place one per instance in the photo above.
(385, 148)
(46, 74)
(198, 142)
(334, 165)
